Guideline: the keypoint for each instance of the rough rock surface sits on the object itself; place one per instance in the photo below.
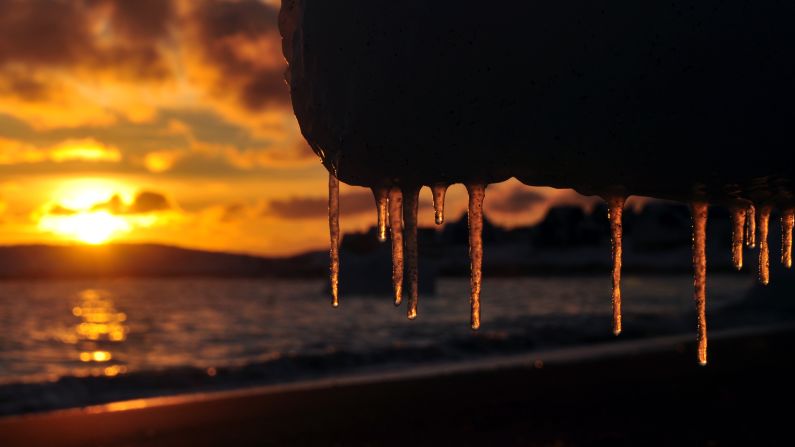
(667, 99)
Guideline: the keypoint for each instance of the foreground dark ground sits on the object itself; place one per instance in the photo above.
(632, 393)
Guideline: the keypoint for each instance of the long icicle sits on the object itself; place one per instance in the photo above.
(439, 191)
(381, 195)
(615, 213)
(787, 222)
(738, 230)
(396, 229)
(477, 192)
(410, 205)
(334, 231)
(764, 249)
(699, 210)
(750, 221)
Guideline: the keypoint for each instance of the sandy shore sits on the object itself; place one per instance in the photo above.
(644, 392)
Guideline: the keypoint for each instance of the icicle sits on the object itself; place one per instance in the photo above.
(699, 210)
(439, 190)
(381, 195)
(764, 250)
(410, 205)
(477, 191)
(334, 231)
(738, 228)
(396, 228)
(750, 221)
(615, 212)
(787, 222)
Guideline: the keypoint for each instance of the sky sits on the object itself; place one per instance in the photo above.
(169, 121)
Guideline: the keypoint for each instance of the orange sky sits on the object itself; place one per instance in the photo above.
(169, 121)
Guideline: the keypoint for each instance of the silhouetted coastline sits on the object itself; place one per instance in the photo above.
(568, 241)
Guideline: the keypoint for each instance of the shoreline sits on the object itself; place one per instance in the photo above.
(518, 381)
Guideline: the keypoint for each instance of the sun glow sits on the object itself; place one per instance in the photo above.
(77, 212)
(91, 228)
(82, 194)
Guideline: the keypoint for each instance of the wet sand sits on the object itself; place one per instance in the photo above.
(643, 392)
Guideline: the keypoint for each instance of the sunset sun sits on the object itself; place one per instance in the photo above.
(84, 211)
(91, 228)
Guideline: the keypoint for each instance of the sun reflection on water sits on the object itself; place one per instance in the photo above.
(101, 330)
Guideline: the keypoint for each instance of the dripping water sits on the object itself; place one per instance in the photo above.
(396, 229)
(410, 205)
(334, 231)
(477, 192)
(381, 195)
(764, 249)
(750, 220)
(738, 227)
(787, 222)
(699, 210)
(615, 212)
(439, 191)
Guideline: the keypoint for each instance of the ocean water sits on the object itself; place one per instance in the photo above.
(120, 338)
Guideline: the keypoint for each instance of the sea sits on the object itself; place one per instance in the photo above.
(71, 343)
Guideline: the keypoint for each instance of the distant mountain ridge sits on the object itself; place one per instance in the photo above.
(148, 260)
(568, 240)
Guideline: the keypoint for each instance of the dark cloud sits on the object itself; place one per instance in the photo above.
(43, 31)
(23, 86)
(144, 202)
(66, 33)
(113, 206)
(263, 89)
(229, 50)
(241, 41)
(233, 212)
(317, 207)
(149, 202)
(251, 18)
(59, 210)
(142, 19)
(517, 200)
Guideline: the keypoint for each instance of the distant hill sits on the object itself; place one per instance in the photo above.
(114, 260)
(567, 241)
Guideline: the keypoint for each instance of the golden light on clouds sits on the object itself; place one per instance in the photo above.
(162, 161)
(86, 149)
